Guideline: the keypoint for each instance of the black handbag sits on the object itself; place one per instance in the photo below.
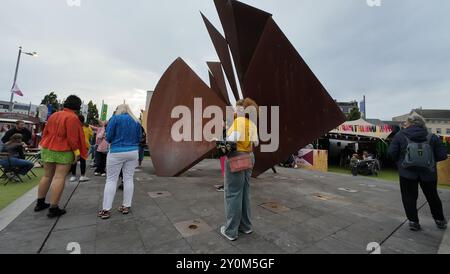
(225, 148)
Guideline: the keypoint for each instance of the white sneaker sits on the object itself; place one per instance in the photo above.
(104, 175)
(84, 179)
(248, 232)
(222, 231)
(73, 179)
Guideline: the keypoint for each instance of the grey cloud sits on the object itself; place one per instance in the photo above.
(396, 54)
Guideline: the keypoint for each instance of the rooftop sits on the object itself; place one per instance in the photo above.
(434, 113)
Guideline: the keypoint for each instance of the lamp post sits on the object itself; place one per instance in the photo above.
(33, 54)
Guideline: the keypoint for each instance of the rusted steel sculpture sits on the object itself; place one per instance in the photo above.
(269, 70)
(217, 81)
(179, 86)
(221, 47)
(273, 73)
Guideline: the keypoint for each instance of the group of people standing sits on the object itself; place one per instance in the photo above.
(66, 141)
(118, 152)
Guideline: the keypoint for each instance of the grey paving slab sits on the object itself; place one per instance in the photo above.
(211, 243)
(192, 227)
(127, 243)
(76, 221)
(60, 239)
(257, 244)
(157, 232)
(335, 246)
(85, 248)
(320, 219)
(180, 246)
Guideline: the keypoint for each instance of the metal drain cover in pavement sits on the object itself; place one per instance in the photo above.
(159, 194)
(348, 190)
(275, 207)
(192, 228)
(323, 197)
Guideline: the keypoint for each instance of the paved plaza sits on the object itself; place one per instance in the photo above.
(294, 211)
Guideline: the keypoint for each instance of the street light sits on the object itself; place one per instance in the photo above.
(33, 54)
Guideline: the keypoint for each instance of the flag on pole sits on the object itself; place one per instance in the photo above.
(16, 90)
(104, 114)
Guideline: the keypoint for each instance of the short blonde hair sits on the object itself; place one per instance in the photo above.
(125, 109)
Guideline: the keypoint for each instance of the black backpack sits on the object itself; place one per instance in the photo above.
(419, 155)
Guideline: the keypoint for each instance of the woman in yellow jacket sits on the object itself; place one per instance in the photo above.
(237, 185)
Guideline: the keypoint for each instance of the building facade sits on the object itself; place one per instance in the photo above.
(19, 108)
(149, 99)
(347, 107)
(438, 121)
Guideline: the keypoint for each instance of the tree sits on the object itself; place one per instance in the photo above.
(51, 99)
(92, 118)
(354, 115)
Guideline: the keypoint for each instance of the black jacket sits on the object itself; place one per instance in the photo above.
(26, 135)
(15, 151)
(397, 152)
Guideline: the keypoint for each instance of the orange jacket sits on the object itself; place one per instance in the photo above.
(63, 133)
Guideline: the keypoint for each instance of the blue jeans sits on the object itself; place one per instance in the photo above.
(92, 151)
(23, 165)
(237, 201)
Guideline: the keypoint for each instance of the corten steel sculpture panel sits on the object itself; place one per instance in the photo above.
(278, 76)
(243, 26)
(221, 46)
(179, 86)
(273, 73)
(217, 81)
(269, 70)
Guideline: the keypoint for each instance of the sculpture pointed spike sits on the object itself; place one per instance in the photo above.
(243, 26)
(217, 74)
(221, 46)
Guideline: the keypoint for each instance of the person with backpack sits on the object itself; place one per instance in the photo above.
(417, 153)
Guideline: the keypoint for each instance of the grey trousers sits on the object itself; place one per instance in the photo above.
(237, 201)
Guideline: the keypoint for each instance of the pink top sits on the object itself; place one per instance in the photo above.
(101, 140)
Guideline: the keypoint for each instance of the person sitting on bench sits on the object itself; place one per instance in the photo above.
(15, 149)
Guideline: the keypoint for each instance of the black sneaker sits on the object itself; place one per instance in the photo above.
(414, 226)
(41, 207)
(55, 212)
(442, 224)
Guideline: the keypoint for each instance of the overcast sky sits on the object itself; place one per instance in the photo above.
(114, 50)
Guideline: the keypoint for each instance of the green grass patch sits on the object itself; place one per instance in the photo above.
(13, 191)
(389, 174)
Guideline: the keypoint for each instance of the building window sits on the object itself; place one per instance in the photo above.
(448, 131)
(439, 131)
(21, 107)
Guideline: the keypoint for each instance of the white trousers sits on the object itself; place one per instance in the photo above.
(127, 162)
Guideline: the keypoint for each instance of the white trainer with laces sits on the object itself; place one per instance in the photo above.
(222, 231)
(84, 179)
(73, 179)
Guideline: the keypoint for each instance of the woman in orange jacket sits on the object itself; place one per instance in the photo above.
(62, 144)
